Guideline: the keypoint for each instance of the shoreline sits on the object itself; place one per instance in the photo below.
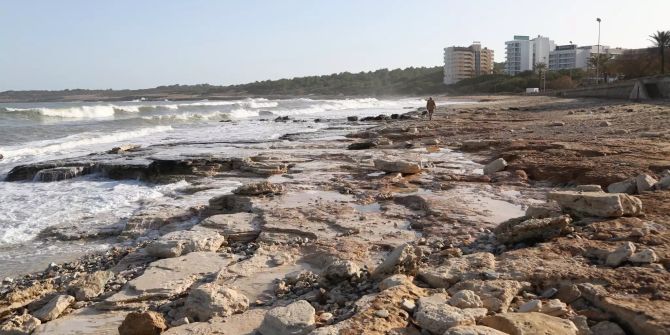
(313, 221)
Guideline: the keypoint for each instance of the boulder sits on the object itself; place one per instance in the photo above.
(401, 166)
(182, 242)
(589, 188)
(495, 166)
(554, 307)
(90, 285)
(646, 256)
(19, 325)
(435, 315)
(294, 319)
(54, 308)
(210, 300)
(352, 118)
(403, 259)
(473, 330)
(496, 295)
(607, 328)
(395, 280)
(645, 182)
(530, 324)
(456, 269)
(598, 204)
(146, 323)
(238, 227)
(532, 230)
(465, 299)
(546, 210)
(621, 254)
(261, 188)
(628, 186)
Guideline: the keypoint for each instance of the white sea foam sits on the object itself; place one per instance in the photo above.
(61, 145)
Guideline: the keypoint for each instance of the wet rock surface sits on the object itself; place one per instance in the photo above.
(403, 235)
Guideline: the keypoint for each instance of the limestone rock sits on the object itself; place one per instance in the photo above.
(496, 295)
(534, 305)
(182, 242)
(20, 325)
(532, 323)
(401, 166)
(546, 210)
(628, 186)
(147, 323)
(597, 203)
(262, 188)
(435, 315)
(238, 227)
(495, 166)
(607, 328)
(123, 148)
(404, 258)
(465, 299)
(340, 270)
(621, 254)
(524, 229)
(90, 285)
(209, 300)
(554, 307)
(663, 184)
(352, 118)
(294, 319)
(230, 203)
(54, 308)
(395, 280)
(645, 256)
(59, 173)
(457, 269)
(473, 330)
(589, 188)
(645, 182)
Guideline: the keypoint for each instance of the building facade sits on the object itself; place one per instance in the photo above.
(466, 62)
(522, 53)
(573, 57)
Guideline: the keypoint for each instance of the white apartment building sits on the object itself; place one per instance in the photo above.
(574, 57)
(522, 53)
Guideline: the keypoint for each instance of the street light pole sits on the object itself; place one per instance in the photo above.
(598, 55)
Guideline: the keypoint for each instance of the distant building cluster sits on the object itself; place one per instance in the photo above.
(466, 62)
(523, 54)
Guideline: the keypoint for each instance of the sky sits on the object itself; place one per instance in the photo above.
(145, 43)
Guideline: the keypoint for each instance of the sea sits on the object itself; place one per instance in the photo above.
(36, 132)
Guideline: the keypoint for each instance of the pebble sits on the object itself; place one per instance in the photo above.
(549, 293)
(408, 305)
(382, 313)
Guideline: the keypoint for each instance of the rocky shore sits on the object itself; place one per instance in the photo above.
(517, 215)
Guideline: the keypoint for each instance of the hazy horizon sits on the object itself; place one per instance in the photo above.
(132, 45)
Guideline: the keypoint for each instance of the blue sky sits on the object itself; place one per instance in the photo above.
(135, 44)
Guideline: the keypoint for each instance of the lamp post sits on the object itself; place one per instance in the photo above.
(598, 55)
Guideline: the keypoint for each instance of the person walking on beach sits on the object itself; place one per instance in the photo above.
(430, 106)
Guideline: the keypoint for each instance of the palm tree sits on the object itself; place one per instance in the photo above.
(600, 63)
(661, 40)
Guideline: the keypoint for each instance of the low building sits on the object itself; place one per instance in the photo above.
(466, 62)
(573, 57)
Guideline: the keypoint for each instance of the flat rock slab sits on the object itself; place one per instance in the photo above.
(182, 242)
(457, 269)
(169, 277)
(84, 321)
(238, 324)
(238, 227)
(597, 203)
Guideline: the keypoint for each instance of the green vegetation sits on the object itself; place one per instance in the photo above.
(661, 41)
(499, 83)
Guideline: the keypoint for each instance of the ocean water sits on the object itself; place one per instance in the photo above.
(34, 132)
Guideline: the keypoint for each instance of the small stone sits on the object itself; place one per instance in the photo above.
(604, 124)
(645, 256)
(557, 124)
(550, 292)
(554, 307)
(473, 330)
(395, 280)
(210, 300)
(382, 313)
(621, 254)
(147, 323)
(495, 166)
(180, 322)
(20, 325)
(589, 188)
(326, 317)
(531, 306)
(645, 182)
(90, 285)
(607, 328)
(408, 305)
(568, 293)
(581, 322)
